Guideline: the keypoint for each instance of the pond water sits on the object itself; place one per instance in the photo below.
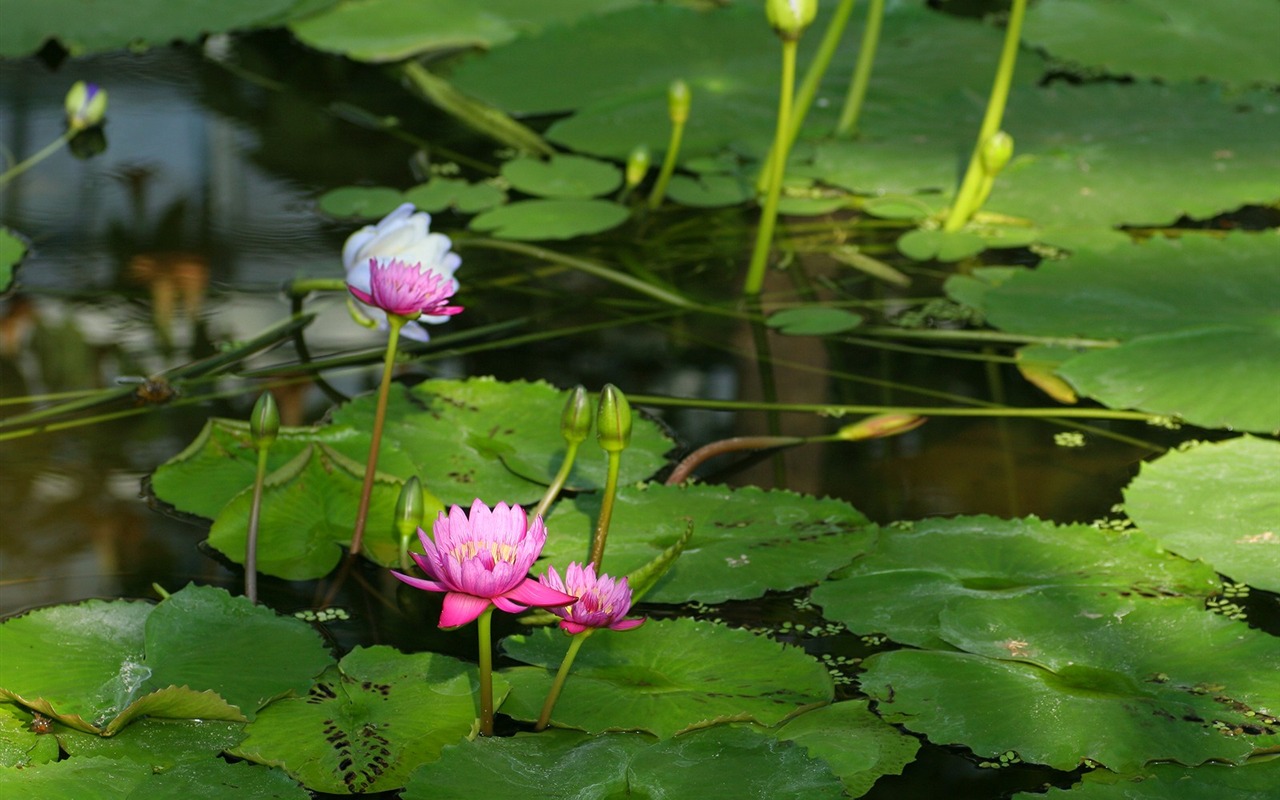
(178, 238)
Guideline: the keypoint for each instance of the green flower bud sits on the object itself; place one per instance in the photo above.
(410, 508)
(264, 424)
(86, 105)
(996, 152)
(678, 101)
(613, 420)
(790, 17)
(575, 421)
(637, 165)
(880, 426)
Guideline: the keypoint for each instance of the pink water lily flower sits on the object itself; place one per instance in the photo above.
(602, 601)
(404, 235)
(406, 290)
(484, 560)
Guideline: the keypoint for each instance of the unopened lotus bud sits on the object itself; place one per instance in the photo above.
(613, 421)
(575, 421)
(678, 101)
(790, 17)
(264, 424)
(410, 508)
(996, 152)
(880, 426)
(86, 105)
(637, 166)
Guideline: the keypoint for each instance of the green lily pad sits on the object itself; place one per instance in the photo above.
(74, 779)
(12, 249)
(926, 245)
(916, 571)
(562, 176)
(857, 745)
(439, 194)
(1253, 781)
(1218, 503)
(1168, 40)
(91, 26)
(360, 202)
(813, 321)
(537, 220)
(665, 677)
(745, 541)
(393, 30)
(723, 763)
(98, 778)
(369, 721)
(160, 743)
(710, 191)
(19, 744)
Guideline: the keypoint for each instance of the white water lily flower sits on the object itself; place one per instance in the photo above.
(405, 236)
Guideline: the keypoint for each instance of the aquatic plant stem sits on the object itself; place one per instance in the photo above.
(31, 161)
(484, 632)
(379, 419)
(606, 510)
(769, 215)
(251, 541)
(557, 483)
(965, 204)
(678, 104)
(553, 694)
(848, 123)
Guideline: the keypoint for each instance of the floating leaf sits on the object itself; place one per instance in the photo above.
(74, 779)
(360, 202)
(1253, 781)
(745, 541)
(1218, 503)
(369, 721)
(12, 249)
(160, 743)
(710, 191)
(854, 742)
(926, 245)
(813, 321)
(98, 778)
(439, 194)
(664, 677)
(562, 176)
(20, 746)
(914, 572)
(536, 220)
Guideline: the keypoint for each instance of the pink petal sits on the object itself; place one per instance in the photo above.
(362, 296)
(419, 583)
(459, 609)
(508, 606)
(532, 593)
(627, 624)
(572, 627)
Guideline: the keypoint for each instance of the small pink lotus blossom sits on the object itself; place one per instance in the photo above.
(602, 602)
(406, 290)
(484, 560)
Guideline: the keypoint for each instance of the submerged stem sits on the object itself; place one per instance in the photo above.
(561, 675)
(379, 419)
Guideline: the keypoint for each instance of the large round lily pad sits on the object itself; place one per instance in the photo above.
(1254, 781)
(538, 220)
(1216, 502)
(99, 778)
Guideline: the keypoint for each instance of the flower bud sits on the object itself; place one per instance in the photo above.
(880, 426)
(264, 424)
(613, 420)
(637, 165)
(575, 421)
(790, 17)
(996, 152)
(678, 101)
(410, 508)
(86, 105)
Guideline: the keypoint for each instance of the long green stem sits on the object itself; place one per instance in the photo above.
(848, 124)
(659, 190)
(811, 81)
(769, 216)
(484, 631)
(606, 510)
(379, 418)
(965, 205)
(553, 694)
(251, 542)
(557, 483)
(45, 152)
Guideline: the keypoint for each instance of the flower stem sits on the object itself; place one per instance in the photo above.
(484, 629)
(554, 693)
(769, 216)
(251, 543)
(659, 190)
(379, 418)
(966, 202)
(48, 150)
(848, 123)
(571, 453)
(606, 509)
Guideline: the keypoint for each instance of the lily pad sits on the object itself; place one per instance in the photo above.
(1218, 503)
(537, 220)
(98, 778)
(160, 743)
(723, 763)
(1166, 40)
(916, 571)
(19, 744)
(745, 541)
(1254, 781)
(857, 745)
(813, 321)
(925, 245)
(12, 249)
(369, 721)
(91, 26)
(439, 194)
(710, 191)
(360, 202)
(562, 176)
(665, 677)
